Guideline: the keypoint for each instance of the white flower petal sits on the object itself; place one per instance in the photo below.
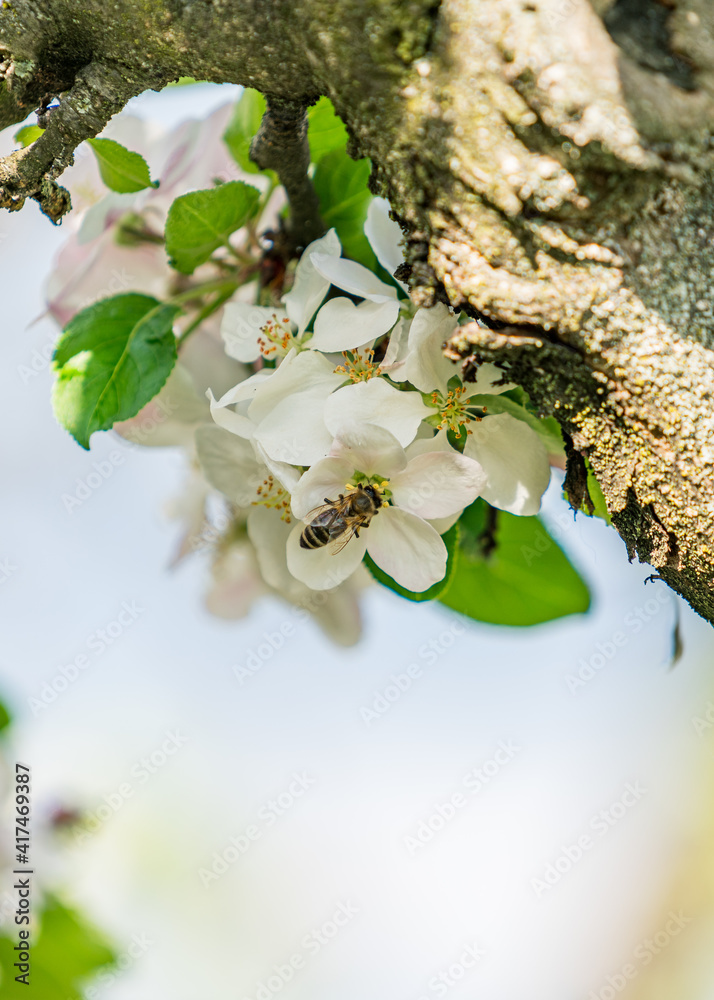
(396, 353)
(442, 524)
(241, 325)
(205, 359)
(299, 372)
(438, 484)
(322, 569)
(269, 535)
(229, 464)
(486, 375)
(515, 461)
(236, 583)
(385, 236)
(371, 450)
(310, 286)
(287, 475)
(353, 278)
(95, 219)
(294, 431)
(245, 390)
(342, 326)
(375, 401)
(338, 614)
(325, 480)
(429, 442)
(426, 367)
(236, 423)
(241, 395)
(406, 548)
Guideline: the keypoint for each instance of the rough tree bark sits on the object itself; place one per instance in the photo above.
(551, 159)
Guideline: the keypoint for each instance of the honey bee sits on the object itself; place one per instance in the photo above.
(337, 521)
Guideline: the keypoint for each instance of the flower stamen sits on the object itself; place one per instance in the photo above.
(358, 368)
(272, 495)
(276, 338)
(453, 410)
(381, 486)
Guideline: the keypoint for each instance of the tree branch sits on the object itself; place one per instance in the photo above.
(281, 145)
(98, 92)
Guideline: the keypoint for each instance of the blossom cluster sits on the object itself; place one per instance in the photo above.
(285, 406)
(361, 394)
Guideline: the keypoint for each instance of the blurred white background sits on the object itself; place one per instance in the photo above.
(366, 786)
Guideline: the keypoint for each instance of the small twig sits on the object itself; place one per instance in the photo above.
(141, 234)
(204, 313)
(204, 288)
(281, 145)
(98, 92)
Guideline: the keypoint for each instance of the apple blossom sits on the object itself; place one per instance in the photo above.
(255, 562)
(250, 330)
(296, 410)
(341, 325)
(399, 538)
(510, 452)
(515, 461)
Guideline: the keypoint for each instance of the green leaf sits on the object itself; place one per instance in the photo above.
(111, 359)
(450, 539)
(243, 126)
(547, 428)
(27, 134)
(341, 185)
(325, 132)
(596, 495)
(5, 717)
(184, 81)
(121, 170)
(201, 221)
(527, 578)
(64, 956)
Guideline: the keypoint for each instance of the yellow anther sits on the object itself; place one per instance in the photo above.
(357, 368)
(276, 336)
(272, 495)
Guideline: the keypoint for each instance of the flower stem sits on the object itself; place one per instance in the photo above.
(196, 291)
(208, 310)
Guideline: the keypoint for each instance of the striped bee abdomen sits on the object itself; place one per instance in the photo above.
(314, 536)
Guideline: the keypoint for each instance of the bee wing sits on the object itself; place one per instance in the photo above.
(336, 507)
(339, 543)
(316, 511)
